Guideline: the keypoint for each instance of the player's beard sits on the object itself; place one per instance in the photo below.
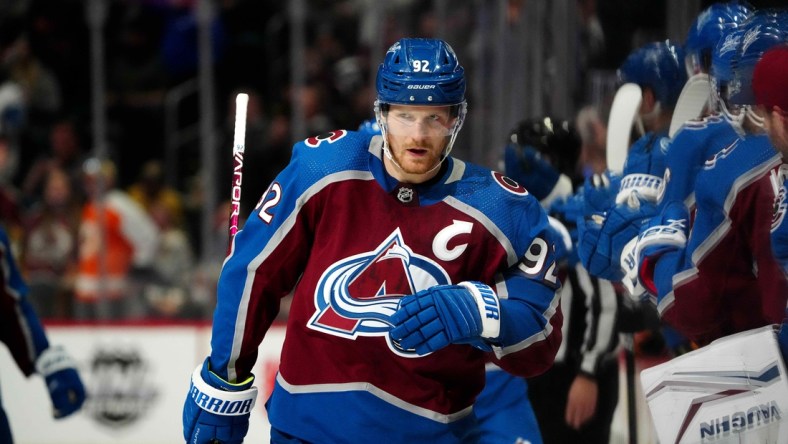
(417, 161)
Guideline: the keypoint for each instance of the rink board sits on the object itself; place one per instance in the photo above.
(136, 377)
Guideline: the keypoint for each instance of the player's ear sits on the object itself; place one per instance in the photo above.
(649, 101)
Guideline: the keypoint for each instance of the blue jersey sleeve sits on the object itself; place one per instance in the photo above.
(268, 255)
(22, 333)
(531, 318)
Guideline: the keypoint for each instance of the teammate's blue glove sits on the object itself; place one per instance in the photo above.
(63, 382)
(599, 192)
(467, 313)
(217, 410)
(603, 236)
(525, 165)
(644, 169)
(665, 233)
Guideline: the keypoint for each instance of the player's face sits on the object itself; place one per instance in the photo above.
(417, 136)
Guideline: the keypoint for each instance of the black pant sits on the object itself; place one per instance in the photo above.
(548, 393)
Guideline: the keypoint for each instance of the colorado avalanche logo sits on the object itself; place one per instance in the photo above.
(357, 295)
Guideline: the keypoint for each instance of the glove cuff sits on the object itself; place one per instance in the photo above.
(630, 265)
(489, 308)
(53, 360)
(648, 187)
(220, 402)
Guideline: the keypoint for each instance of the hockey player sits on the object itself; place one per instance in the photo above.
(26, 339)
(712, 40)
(770, 96)
(603, 235)
(706, 30)
(407, 265)
(770, 87)
(723, 277)
(503, 409)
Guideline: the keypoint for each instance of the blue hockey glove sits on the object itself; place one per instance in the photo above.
(63, 382)
(599, 192)
(467, 313)
(665, 233)
(217, 410)
(603, 236)
(525, 165)
(644, 169)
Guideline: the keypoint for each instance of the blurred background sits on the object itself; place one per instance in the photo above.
(149, 85)
(128, 106)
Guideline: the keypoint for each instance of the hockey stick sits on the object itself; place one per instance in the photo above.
(623, 114)
(693, 100)
(239, 145)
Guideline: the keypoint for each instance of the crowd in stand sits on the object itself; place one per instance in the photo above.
(150, 48)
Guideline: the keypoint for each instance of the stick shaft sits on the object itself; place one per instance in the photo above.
(239, 145)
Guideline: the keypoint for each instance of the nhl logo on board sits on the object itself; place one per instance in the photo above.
(405, 195)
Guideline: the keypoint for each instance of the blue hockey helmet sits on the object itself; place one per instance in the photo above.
(760, 35)
(658, 66)
(706, 30)
(421, 72)
(721, 72)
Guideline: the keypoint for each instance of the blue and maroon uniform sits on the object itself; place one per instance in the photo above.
(349, 240)
(728, 279)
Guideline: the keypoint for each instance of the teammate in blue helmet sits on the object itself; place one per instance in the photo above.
(706, 30)
(409, 271)
(658, 67)
(604, 234)
(721, 73)
(763, 31)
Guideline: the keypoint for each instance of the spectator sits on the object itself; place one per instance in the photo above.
(116, 239)
(593, 134)
(168, 295)
(49, 248)
(151, 191)
(65, 153)
(10, 212)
